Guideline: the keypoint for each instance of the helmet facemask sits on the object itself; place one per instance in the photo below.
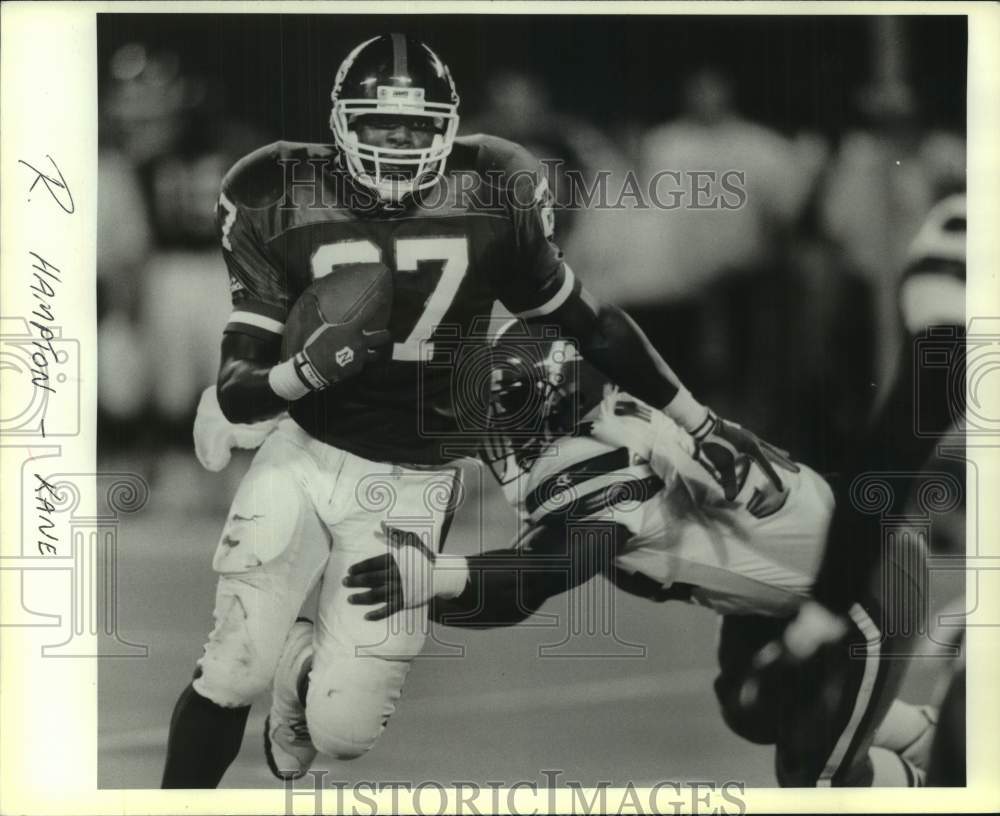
(394, 173)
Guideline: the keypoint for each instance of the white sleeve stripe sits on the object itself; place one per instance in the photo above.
(557, 300)
(949, 247)
(261, 322)
(929, 299)
(227, 225)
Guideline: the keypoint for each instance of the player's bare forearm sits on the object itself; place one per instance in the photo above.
(506, 587)
(245, 395)
(611, 341)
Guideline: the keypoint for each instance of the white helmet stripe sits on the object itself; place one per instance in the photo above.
(366, 163)
(399, 66)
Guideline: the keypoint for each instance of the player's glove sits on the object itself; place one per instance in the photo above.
(623, 421)
(334, 353)
(723, 448)
(410, 574)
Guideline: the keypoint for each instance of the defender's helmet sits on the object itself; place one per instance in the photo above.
(540, 389)
(394, 75)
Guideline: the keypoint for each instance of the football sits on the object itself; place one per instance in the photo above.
(355, 296)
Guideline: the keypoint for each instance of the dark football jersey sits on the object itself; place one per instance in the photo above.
(482, 235)
(921, 407)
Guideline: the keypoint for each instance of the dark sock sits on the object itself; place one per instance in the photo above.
(204, 740)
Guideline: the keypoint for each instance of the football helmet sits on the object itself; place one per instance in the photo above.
(540, 388)
(399, 76)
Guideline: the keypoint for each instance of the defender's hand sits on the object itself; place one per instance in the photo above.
(409, 575)
(722, 444)
(379, 576)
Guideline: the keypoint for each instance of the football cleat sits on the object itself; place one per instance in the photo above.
(287, 745)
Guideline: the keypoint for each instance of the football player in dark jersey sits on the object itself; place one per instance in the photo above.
(920, 407)
(932, 308)
(923, 408)
(609, 486)
(461, 223)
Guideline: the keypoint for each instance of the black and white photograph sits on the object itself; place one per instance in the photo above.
(508, 402)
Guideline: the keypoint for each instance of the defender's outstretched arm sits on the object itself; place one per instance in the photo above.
(612, 342)
(615, 345)
(494, 588)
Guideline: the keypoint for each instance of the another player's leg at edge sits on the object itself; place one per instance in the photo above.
(858, 574)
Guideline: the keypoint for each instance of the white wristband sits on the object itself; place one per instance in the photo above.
(451, 575)
(285, 381)
(686, 411)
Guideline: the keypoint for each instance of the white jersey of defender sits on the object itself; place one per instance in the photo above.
(683, 530)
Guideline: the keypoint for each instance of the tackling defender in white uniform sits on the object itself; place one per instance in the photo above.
(626, 493)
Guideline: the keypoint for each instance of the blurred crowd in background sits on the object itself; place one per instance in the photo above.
(781, 314)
